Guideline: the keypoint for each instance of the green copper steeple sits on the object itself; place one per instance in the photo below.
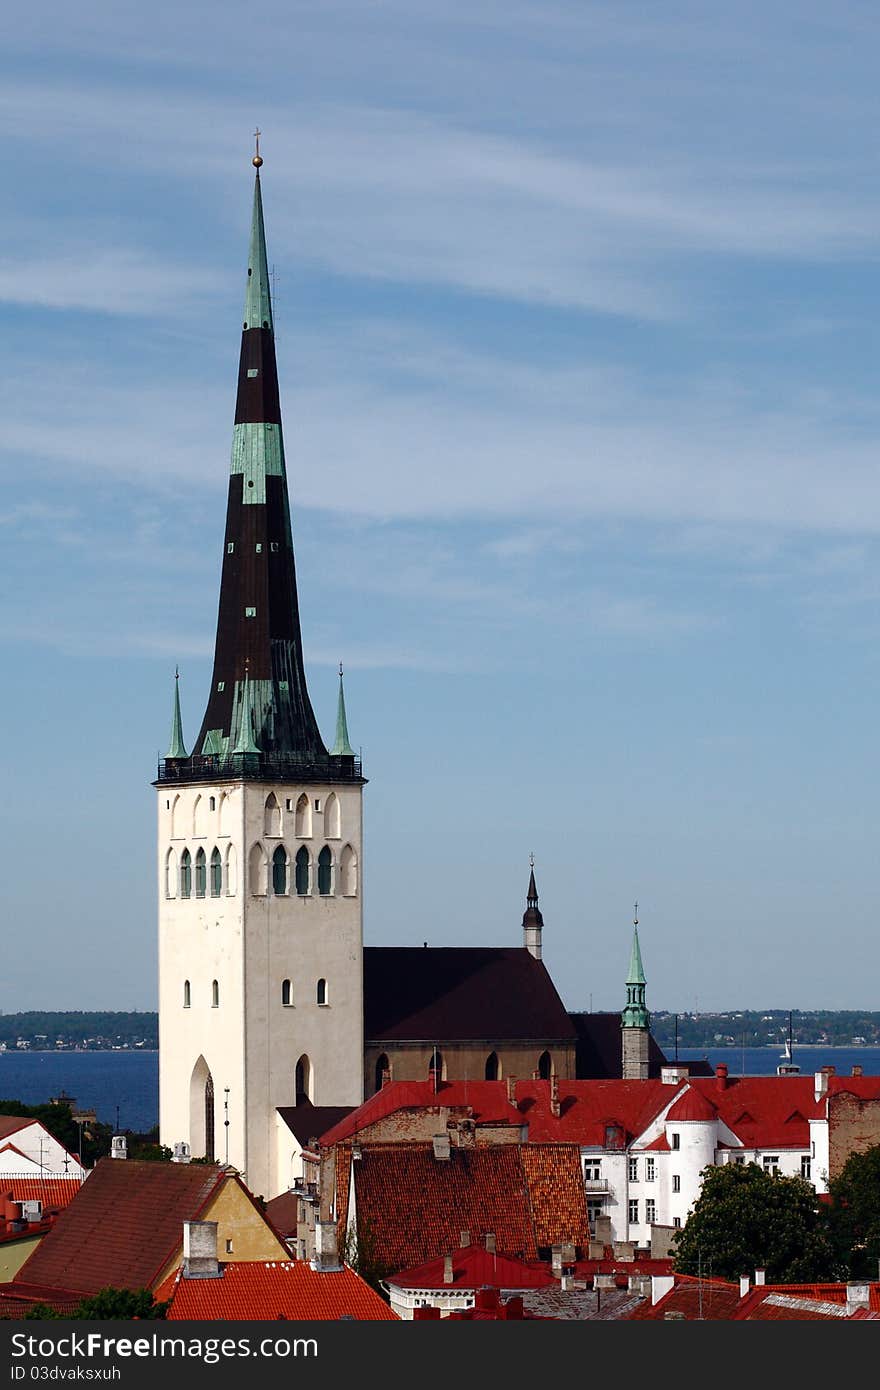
(246, 743)
(341, 748)
(176, 748)
(257, 299)
(635, 1015)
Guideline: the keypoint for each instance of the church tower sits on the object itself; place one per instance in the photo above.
(259, 833)
(635, 1021)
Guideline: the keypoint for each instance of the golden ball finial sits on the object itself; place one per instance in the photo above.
(257, 161)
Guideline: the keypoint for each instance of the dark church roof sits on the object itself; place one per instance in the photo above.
(599, 1050)
(306, 1121)
(460, 994)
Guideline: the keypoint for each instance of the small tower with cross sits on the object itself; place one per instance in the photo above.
(635, 1021)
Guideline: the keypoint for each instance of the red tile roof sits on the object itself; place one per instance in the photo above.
(123, 1226)
(698, 1299)
(692, 1105)
(282, 1211)
(11, 1124)
(585, 1107)
(475, 1268)
(54, 1193)
(258, 1291)
(412, 1207)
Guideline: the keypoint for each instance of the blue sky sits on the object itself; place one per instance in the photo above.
(576, 309)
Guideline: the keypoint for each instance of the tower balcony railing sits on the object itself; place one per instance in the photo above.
(260, 767)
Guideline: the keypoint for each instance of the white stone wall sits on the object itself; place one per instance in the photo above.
(249, 943)
(42, 1154)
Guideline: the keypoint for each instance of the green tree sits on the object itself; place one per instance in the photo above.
(854, 1214)
(746, 1219)
(107, 1303)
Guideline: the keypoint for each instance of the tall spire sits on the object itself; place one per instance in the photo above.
(533, 922)
(635, 1014)
(176, 748)
(258, 626)
(341, 748)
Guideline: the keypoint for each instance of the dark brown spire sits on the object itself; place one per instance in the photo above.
(258, 699)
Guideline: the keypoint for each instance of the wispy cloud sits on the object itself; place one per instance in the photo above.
(104, 281)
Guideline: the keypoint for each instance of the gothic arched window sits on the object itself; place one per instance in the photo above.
(302, 871)
(325, 872)
(279, 871)
(545, 1066)
(201, 874)
(332, 817)
(493, 1067)
(272, 815)
(383, 1071)
(171, 874)
(257, 870)
(435, 1066)
(303, 1080)
(216, 873)
(231, 875)
(303, 824)
(348, 873)
(185, 874)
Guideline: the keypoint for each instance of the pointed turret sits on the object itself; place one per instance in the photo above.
(176, 748)
(245, 744)
(533, 922)
(341, 748)
(635, 1021)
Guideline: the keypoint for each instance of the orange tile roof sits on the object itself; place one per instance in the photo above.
(123, 1226)
(54, 1192)
(257, 1291)
(412, 1207)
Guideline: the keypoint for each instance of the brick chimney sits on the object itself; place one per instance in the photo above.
(721, 1077)
(200, 1250)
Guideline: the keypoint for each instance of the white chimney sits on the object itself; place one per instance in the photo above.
(326, 1248)
(118, 1146)
(200, 1250)
(760, 1276)
(660, 1286)
(858, 1295)
(744, 1285)
(441, 1146)
(447, 1269)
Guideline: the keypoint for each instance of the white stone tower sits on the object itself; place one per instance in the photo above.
(260, 834)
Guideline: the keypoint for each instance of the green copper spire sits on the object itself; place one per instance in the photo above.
(257, 299)
(246, 743)
(176, 748)
(635, 1015)
(341, 748)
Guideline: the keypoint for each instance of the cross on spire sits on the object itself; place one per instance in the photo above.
(258, 159)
